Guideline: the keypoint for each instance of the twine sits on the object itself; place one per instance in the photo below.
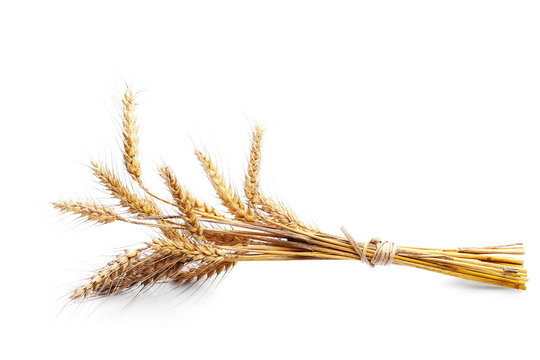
(384, 254)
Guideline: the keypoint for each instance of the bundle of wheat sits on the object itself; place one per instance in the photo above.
(196, 241)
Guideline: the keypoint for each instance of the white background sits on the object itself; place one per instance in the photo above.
(414, 121)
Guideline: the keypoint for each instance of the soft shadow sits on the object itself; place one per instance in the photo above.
(478, 286)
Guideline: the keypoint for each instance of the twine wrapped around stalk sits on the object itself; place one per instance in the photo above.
(196, 241)
(384, 254)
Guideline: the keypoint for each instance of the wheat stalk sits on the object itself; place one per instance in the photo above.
(198, 242)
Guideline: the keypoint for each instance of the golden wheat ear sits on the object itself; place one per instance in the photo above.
(201, 272)
(181, 195)
(88, 210)
(184, 202)
(251, 182)
(126, 198)
(137, 205)
(108, 274)
(130, 136)
(256, 200)
(227, 195)
(130, 142)
(189, 251)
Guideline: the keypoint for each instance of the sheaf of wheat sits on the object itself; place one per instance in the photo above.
(197, 241)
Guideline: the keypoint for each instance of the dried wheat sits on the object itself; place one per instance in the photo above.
(200, 242)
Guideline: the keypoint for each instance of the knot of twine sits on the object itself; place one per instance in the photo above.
(384, 250)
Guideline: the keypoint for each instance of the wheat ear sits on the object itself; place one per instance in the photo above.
(184, 202)
(130, 137)
(144, 271)
(202, 271)
(279, 213)
(89, 210)
(126, 198)
(130, 140)
(168, 269)
(251, 182)
(107, 274)
(134, 204)
(188, 250)
(228, 196)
